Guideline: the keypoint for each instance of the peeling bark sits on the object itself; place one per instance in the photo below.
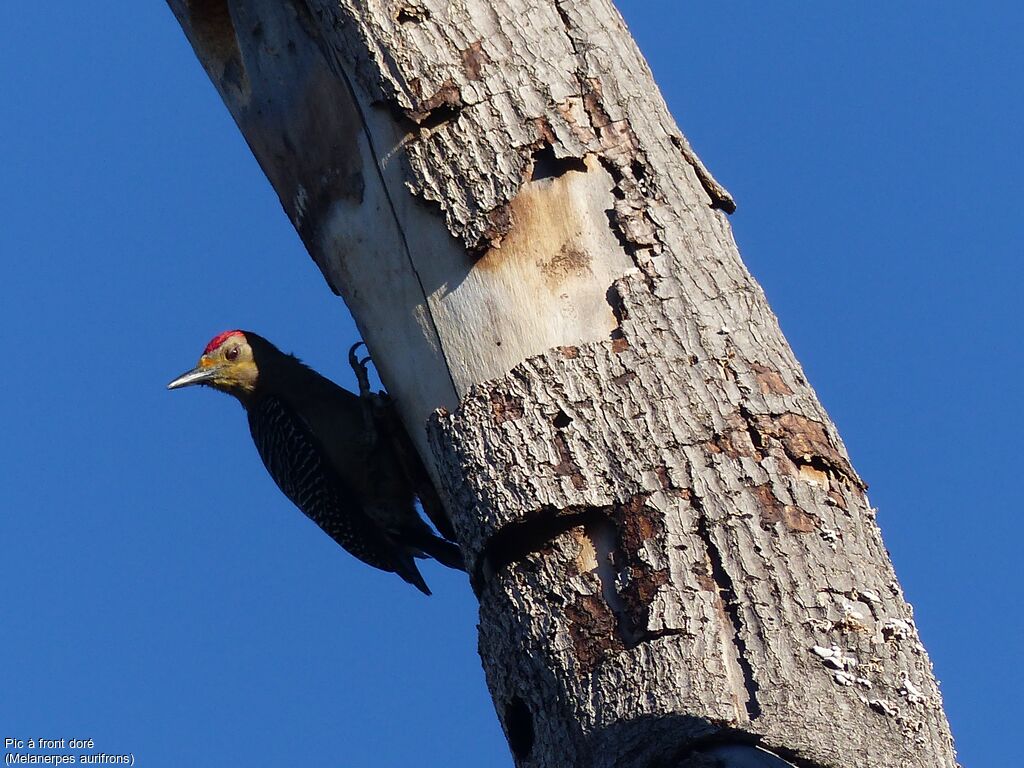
(669, 543)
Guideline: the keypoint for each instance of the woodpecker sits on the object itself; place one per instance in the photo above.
(341, 458)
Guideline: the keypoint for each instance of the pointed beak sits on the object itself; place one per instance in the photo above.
(201, 374)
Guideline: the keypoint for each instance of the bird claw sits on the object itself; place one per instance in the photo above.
(373, 404)
(359, 367)
(353, 358)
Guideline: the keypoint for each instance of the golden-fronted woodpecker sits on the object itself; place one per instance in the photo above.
(342, 458)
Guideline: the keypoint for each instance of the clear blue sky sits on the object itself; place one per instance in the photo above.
(160, 597)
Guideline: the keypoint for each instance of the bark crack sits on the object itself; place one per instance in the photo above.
(567, 23)
(392, 208)
(729, 609)
(605, 538)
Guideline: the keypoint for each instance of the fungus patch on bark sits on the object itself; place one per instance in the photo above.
(506, 407)
(636, 524)
(592, 626)
(774, 511)
(807, 445)
(804, 444)
(770, 381)
(569, 260)
(474, 58)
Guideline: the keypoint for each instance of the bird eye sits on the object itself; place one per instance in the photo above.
(232, 353)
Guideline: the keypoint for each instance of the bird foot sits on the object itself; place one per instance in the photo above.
(359, 367)
(374, 403)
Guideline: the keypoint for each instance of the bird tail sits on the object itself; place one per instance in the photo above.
(442, 550)
(428, 545)
(406, 568)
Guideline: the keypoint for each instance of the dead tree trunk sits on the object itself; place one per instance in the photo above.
(669, 544)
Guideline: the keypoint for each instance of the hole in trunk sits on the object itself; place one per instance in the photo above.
(519, 723)
(547, 166)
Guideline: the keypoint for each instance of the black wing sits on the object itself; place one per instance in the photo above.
(297, 462)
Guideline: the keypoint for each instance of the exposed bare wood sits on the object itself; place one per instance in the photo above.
(668, 540)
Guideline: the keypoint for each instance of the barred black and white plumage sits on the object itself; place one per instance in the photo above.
(334, 454)
(297, 464)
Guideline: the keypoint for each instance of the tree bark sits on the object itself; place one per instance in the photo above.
(670, 546)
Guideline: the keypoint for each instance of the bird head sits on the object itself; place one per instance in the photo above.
(227, 364)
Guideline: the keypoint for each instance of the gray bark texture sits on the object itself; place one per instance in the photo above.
(669, 544)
